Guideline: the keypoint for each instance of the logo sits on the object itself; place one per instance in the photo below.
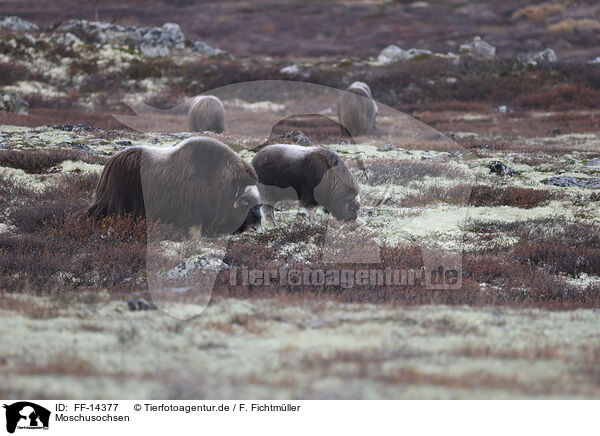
(26, 415)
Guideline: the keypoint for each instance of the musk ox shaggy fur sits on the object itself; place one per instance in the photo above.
(357, 111)
(199, 183)
(312, 175)
(206, 113)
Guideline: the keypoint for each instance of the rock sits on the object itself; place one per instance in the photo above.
(67, 39)
(478, 48)
(387, 147)
(208, 262)
(17, 24)
(595, 60)
(140, 304)
(393, 53)
(75, 127)
(152, 41)
(297, 137)
(497, 167)
(296, 70)
(503, 109)
(154, 50)
(208, 50)
(169, 33)
(546, 55)
(593, 162)
(579, 182)
(13, 103)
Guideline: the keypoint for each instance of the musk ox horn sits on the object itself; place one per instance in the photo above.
(206, 113)
(357, 111)
(312, 175)
(199, 182)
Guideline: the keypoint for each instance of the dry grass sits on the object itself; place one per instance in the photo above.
(40, 161)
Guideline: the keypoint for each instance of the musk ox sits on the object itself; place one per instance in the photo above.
(312, 175)
(357, 110)
(199, 183)
(206, 113)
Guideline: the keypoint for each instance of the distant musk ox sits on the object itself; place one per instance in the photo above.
(312, 175)
(206, 113)
(357, 110)
(199, 182)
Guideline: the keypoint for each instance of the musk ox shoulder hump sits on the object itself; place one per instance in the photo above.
(206, 113)
(360, 88)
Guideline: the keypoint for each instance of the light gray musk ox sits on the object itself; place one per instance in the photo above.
(206, 113)
(312, 175)
(199, 183)
(357, 110)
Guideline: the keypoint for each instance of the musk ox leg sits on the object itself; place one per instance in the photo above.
(268, 215)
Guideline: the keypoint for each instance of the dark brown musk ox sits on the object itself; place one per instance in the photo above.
(199, 183)
(206, 114)
(357, 111)
(312, 175)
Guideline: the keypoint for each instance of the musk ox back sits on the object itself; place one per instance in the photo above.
(357, 110)
(199, 182)
(312, 175)
(206, 113)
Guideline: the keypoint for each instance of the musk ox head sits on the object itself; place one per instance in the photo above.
(206, 113)
(337, 192)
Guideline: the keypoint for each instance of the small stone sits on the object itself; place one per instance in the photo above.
(208, 50)
(478, 48)
(140, 304)
(13, 103)
(393, 53)
(387, 147)
(297, 137)
(497, 167)
(296, 70)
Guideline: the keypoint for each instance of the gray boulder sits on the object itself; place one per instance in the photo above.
(208, 50)
(152, 41)
(501, 169)
(17, 24)
(546, 55)
(13, 103)
(154, 50)
(579, 182)
(478, 48)
(393, 53)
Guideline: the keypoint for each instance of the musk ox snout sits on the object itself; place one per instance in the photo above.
(345, 204)
(247, 208)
